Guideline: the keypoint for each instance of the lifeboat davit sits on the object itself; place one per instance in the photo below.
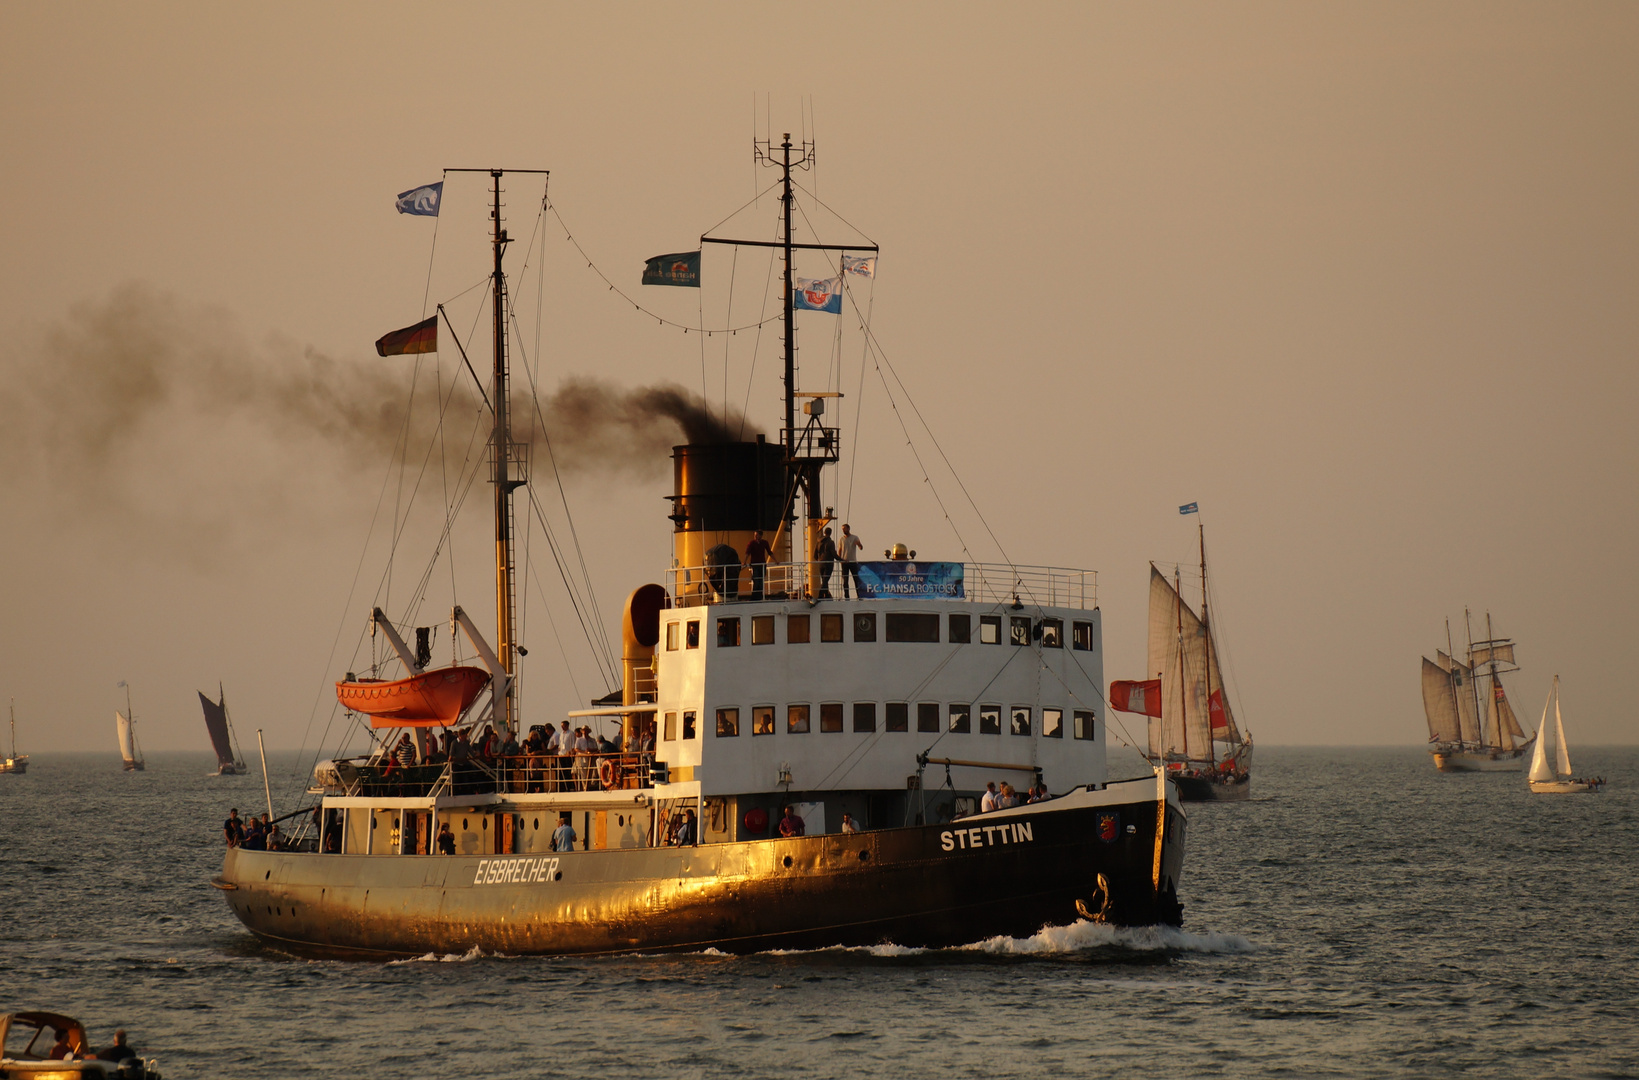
(430, 699)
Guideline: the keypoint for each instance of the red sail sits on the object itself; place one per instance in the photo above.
(430, 699)
(1136, 697)
(1215, 709)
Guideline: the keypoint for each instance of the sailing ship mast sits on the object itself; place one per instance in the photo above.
(1206, 640)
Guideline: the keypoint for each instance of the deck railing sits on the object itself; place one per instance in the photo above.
(520, 774)
(1000, 583)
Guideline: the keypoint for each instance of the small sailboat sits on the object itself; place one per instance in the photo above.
(229, 762)
(17, 763)
(1551, 768)
(125, 727)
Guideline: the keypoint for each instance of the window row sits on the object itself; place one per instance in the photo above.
(897, 626)
(896, 717)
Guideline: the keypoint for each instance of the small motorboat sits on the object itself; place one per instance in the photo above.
(28, 1039)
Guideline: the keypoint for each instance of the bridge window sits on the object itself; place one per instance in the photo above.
(911, 626)
(796, 719)
(1052, 633)
(728, 723)
(688, 724)
(671, 727)
(990, 629)
(896, 716)
(1021, 720)
(927, 716)
(831, 627)
(671, 637)
(961, 628)
(1052, 723)
(1085, 724)
(831, 716)
(1081, 636)
(864, 716)
(728, 632)
(959, 719)
(691, 635)
(990, 719)
(762, 720)
(796, 629)
(864, 626)
(762, 629)
(1020, 630)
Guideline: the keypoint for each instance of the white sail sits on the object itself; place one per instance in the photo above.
(122, 725)
(1438, 703)
(1562, 753)
(1490, 729)
(1468, 719)
(1177, 655)
(1540, 769)
(1500, 652)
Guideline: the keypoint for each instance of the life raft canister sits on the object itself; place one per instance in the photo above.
(755, 820)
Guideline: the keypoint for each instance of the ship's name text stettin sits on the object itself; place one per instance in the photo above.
(1009, 832)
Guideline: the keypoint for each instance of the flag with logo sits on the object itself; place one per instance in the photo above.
(422, 201)
(1136, 697)
(818, 294)
(420, 338)
(680, 268)
(1190, 508)
(861, 265)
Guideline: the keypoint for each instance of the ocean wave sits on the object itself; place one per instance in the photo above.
(1081, 936)
(474, 953)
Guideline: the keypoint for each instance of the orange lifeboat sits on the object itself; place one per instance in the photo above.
(430, 699)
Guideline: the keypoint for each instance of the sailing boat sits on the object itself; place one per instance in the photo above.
(125, 726)
(17, 763)
(1192, 730)
(228, 760)
(1460, 740)
(1555, 778)
(668, 841)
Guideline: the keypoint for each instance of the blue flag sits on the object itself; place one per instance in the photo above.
(421, 201)
(1190, 508)
(681, 269)
(818, 294)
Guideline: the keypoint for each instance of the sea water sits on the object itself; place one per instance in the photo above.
(1361, 916)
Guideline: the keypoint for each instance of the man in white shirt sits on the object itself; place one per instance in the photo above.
(988, 803)
(849, 550)
(848, 825)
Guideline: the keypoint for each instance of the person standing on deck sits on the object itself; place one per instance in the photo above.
(757, 553)
(849, 550)
(825, 554)
(563, 837)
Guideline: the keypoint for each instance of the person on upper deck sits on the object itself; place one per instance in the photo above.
(273, 841)
(849, 549)
(233, 830)
(405, 752)
(254, 839)
(825, 556)
(757, 553)
(792, 825)
(510, 747)
(118, 1051)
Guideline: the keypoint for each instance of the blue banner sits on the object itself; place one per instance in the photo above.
(421, 201)
(899, 580)
(681, 268)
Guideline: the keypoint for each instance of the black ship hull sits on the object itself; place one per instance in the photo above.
(1213, 789)
(1111, 855)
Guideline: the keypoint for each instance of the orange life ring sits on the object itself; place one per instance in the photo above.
(607, 774)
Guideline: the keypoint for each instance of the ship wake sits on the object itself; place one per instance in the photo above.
(1079, 937)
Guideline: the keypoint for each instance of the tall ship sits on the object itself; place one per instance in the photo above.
(15, 762)
(125, 730)
(789, 768)
(1193, 734)
(219, 726)
(1471, 725)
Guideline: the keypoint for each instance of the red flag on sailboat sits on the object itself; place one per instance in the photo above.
(1136, 697)
(420, 338)
(1215, 709)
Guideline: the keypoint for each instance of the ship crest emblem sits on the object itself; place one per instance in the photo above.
(1109, 827)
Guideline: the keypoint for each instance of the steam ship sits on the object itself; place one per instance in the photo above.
(866, 727)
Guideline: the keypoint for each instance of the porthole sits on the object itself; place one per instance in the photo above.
(463, 823)
(267, 875)
(558, 876)
(486, 823)
(538, 820)
(864, 856)
(788, 862)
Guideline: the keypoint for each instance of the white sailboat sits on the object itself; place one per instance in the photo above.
(1554, 777)
(16, 763)
(125, 728)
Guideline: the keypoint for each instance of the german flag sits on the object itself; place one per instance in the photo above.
(420, 338)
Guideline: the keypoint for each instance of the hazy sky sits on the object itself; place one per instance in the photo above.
(1363, 280)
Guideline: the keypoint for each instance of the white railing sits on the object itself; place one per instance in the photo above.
(1001, 583)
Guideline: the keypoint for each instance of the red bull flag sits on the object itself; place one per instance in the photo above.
(1136, 697)
(420, 338)
(818, 294)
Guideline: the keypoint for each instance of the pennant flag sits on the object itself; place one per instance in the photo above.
(818, 294)
(1136, 697)
(1190, 508)
(421, 201)
(420, 338)
(864, 265)
(683, 269)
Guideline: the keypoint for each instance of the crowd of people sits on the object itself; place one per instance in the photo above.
(65, 1049)
(724, 564)
(253, 833)
(1004, 797)
(548, 759)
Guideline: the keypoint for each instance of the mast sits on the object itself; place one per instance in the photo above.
(1183, 701)
(505, 620)
(1206, 631)
(1473, 684)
